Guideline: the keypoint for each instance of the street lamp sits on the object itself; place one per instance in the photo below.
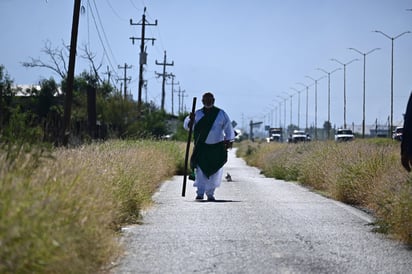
(392, 38)
(316, 103)
(290, 119)
(307, 101)
(328, 73)
(344, 87)
(298, 91)
(284, 110)
(280, 111)
(364, 84)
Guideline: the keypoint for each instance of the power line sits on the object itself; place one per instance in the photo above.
(105, 36)
(114, 11)
(100, 37)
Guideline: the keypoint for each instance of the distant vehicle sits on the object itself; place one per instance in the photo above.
(275, 135)
(343, 135)
(299, 136)
(397, 134)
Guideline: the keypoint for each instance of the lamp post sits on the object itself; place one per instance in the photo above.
(284, 110)
(344, 87)
(329, 73)
(392, 39)
(364, 84)
(307, 101)
(280, 111)
(298, 91)
(291, 105)
(316, 103)
(275, 119)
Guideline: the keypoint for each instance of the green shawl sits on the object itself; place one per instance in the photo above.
(209, 157)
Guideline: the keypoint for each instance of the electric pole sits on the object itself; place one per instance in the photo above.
(183, 96)
(125, 79)
(108, 73)
(180, 93)
(164, 75)
(143, 55)
(173, 90)
(70, 74)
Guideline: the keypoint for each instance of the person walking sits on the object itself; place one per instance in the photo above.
(406, 141)
(213, 135)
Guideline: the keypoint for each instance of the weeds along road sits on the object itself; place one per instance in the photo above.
(257, 225)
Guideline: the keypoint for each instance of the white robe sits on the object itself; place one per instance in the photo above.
(221, 130)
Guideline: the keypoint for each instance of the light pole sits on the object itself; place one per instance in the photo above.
(307, 102)
(290, 119)
(329, 73)
(280, 111)
(364, 84)
(344, 87)
(275, 119)
(316, 103)
(393, 39)
(284, 110)
(298, 91)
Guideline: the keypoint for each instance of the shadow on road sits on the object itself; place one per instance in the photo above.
(217, 201)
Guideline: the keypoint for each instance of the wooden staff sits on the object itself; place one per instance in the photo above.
(188, 147)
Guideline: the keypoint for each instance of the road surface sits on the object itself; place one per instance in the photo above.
(256, 225)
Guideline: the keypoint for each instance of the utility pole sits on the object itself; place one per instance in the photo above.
(125, 79)
(179, 95)
(70, 75)
(173, 90)
(143, 55)
(145, 90)
(182, 96)
(108, 73)
(164, 75)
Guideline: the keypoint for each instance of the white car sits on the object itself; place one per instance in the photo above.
(299, 136)
(343, 135)
(397, 134)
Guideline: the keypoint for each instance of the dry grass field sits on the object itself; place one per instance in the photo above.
(60, 211)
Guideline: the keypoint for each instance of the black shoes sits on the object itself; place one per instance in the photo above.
(209, 198)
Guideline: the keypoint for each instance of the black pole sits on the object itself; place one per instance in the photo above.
(70, 76)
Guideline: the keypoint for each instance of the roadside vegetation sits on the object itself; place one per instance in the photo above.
(364, 173)
(61, 209)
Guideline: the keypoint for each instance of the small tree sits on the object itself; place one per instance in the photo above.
(6, 96)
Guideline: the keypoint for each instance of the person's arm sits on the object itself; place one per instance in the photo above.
(188, 122)
(228, 131)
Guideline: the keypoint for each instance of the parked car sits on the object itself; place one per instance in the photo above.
(397, 134)
(343, 135)
(299, 136)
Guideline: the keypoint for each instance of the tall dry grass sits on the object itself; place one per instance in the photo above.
(365, 173)
(60, 211)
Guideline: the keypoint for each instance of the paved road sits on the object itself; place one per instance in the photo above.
(257, 225)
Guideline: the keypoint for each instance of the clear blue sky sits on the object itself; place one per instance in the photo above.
(246, 52)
